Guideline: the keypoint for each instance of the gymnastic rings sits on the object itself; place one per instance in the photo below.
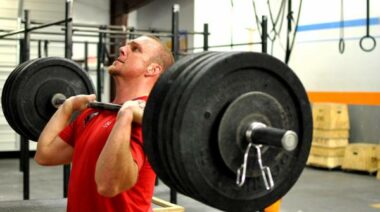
(369, 38)
(342, 45)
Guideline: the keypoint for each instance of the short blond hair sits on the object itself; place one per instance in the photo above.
(165, 56)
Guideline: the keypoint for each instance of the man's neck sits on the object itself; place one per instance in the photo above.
(128, 90)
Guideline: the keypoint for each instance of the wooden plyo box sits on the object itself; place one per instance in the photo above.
(160, 205)
(324, 162)
(360, 157)
(378, 152)
(331, 134)
(330, 116)
(330, 142)
(327, 151)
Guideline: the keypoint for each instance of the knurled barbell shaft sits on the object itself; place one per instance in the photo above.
(259, 133)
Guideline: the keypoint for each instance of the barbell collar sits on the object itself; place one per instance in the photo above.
(58, 99)
(259, 133)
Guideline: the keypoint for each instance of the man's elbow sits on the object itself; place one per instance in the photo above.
(40, 159)
(107, 191)
(111, 189)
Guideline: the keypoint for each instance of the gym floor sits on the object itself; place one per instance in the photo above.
(317, 190)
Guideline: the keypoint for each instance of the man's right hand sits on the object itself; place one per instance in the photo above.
(77, 103)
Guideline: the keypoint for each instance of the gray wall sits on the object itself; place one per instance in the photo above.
(364, 124)
(158, 15)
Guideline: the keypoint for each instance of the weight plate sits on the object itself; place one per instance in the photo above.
(154, 107)
(175, 93)
(35, 85)
(7, 108)
(263, 108)
(204, 103)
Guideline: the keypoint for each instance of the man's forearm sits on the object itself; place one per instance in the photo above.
(52, 150)
(116, 170)
(56, 124)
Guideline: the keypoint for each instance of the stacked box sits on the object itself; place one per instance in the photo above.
(330, 135)
(330, 116)
(378, 161)
(360, 157)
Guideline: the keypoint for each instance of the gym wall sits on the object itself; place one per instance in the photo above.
(44, 11)
(351, 77)
(158, 15)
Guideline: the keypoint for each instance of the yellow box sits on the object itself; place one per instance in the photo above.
(324, 162)
(378, 152)
(327, 151)
(330, 116)
(320, 133)
(330, 142)
(160, 205)
(361, 157)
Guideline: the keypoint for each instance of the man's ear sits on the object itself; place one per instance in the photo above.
(153, 69)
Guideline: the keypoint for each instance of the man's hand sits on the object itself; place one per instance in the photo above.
(77, 103)
(134, 108)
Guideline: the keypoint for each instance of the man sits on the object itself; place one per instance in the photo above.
(110, 171)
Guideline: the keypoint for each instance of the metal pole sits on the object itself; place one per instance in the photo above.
(68, 31)
(46, 48)
(39, 48)
(24, 145)
(25, 157)
(26, 37)
(86, 55)
(175, 51)
(205, 37)
(264, 35)
(68, 55)
(290, 18)
(131, 35)
(32, 28)
(175, 31)
(98, 67)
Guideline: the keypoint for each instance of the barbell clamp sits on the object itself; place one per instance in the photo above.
(265, 170)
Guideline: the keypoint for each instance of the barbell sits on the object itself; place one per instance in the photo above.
(230, 129)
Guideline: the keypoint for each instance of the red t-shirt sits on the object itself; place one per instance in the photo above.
(88, 134)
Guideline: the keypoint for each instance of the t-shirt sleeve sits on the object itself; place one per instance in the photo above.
(67, 134)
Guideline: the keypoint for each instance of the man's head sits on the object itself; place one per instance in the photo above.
(142, 57)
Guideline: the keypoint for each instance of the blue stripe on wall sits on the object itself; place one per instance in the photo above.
(333, 25)
(333, 40)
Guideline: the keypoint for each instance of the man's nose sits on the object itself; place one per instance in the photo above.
(123, 50)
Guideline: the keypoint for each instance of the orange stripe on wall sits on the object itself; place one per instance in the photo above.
(361, 98)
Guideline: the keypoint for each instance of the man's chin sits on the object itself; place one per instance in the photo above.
(112, 71)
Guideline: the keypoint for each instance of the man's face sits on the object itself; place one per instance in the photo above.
(134, 57)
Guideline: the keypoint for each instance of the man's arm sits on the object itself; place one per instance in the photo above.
(51, 149)
(116, 170)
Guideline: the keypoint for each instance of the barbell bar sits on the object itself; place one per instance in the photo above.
(58, 99)
(230, 129)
